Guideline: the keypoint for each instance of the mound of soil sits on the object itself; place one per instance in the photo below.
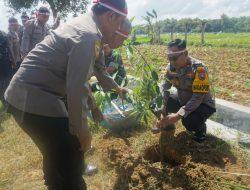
(177, 162)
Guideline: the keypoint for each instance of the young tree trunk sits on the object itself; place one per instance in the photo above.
(134, 36)
(203, 27)
(186, 31)
(158, 33)
(172, 33)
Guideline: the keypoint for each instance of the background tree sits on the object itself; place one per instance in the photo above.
(223, 24)
(203, 28)
(153, 27)
(57, 6)
(186, 25)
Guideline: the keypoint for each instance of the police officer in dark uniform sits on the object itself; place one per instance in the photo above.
(193, 102)
(114, 65)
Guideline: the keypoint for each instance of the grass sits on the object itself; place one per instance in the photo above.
(247, 84)
(1, 105)
(230, 40)
(20, 160)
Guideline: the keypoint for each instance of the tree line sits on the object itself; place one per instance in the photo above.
(223, 24)
(62, 7)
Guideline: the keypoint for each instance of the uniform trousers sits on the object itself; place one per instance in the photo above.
(62, 159)
(195, 121)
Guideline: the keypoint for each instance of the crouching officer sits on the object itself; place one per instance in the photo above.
(193, 102)
(59, 67)
(101, 71)
(113, 64)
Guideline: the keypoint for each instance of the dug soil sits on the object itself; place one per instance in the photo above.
(174, 162)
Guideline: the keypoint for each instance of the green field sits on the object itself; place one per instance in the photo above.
(236, 40)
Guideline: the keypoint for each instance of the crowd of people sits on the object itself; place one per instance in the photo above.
(45, 75)
(19, 41)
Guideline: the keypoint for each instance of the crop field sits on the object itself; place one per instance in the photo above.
(236, 40)
(229, 68)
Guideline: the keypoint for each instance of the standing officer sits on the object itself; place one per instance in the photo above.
(113, 64)
(14, 43)
(59, 67)
(24, 18)
(35, 30)
(193, 102)
(101, 72)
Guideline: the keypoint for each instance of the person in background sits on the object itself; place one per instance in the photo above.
(14, 43)
(35, 31)
(24, 18)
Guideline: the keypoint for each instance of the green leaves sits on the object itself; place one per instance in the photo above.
(146, 95)
(155, 14)
(159, 101)
(64, 7)
(154, 75)
(150, 14)
(130, 52)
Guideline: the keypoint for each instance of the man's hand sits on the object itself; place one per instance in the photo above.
(97, 115)
(85, 138)
(110, 69)
(122, 92)
(168, 120)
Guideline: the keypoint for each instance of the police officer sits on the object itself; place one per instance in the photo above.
(59, 67)
(113, 61)
(14, 43)
(193, 102)
(101, 71)
(35, 30)
(114, 64)
(5, 65)
(102, 74)
(24, 18)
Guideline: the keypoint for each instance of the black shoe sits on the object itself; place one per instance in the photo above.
(199, 137)
(155, 130)
(204, 128)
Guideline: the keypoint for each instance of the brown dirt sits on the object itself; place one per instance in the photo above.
(187, 164)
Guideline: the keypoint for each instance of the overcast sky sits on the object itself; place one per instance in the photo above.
(171, 9)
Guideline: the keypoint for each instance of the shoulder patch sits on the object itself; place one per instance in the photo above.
(201, 81)
(201, 73)
(97, 48)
